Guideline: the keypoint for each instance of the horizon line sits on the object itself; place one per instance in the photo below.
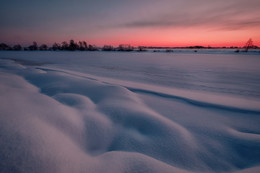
(160, 45)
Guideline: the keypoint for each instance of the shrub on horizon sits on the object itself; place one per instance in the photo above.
(17, 47)
(108, 48)
(34, 46)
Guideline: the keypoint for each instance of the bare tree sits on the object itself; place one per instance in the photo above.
(248, 45)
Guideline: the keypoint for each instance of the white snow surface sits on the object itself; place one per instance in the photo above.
(131, 112)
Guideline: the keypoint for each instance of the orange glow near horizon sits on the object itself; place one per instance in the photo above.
(178, 38)
(159, 38)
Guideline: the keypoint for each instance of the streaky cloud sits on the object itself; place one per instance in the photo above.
(221, 16)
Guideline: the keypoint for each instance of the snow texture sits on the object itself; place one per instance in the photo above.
(132, 112)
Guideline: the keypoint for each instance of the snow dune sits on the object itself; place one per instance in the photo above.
(129, 112)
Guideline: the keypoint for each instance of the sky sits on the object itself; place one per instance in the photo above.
(135, 22)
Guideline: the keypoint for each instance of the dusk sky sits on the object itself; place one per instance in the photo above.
(136, 22)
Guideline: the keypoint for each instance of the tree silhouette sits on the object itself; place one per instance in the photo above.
(248, 45)
(4, 46)
(64, 45)
(92, 48)
(34, 46)
(107, 48)
(17, 47)
(73, 46)
(125, 47)
(85, 45)
(56, 46)
(81, 46)
(43, 47)
(141, 48)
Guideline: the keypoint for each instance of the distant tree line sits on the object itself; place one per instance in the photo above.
(83, 46)
(68, 46)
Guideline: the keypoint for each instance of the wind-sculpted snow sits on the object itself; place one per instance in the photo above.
(58, 117)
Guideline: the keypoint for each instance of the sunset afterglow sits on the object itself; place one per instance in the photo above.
(146, 22)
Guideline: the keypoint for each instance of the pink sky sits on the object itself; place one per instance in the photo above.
(136, 22)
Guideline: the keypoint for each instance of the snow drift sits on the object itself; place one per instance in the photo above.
(129, 112)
